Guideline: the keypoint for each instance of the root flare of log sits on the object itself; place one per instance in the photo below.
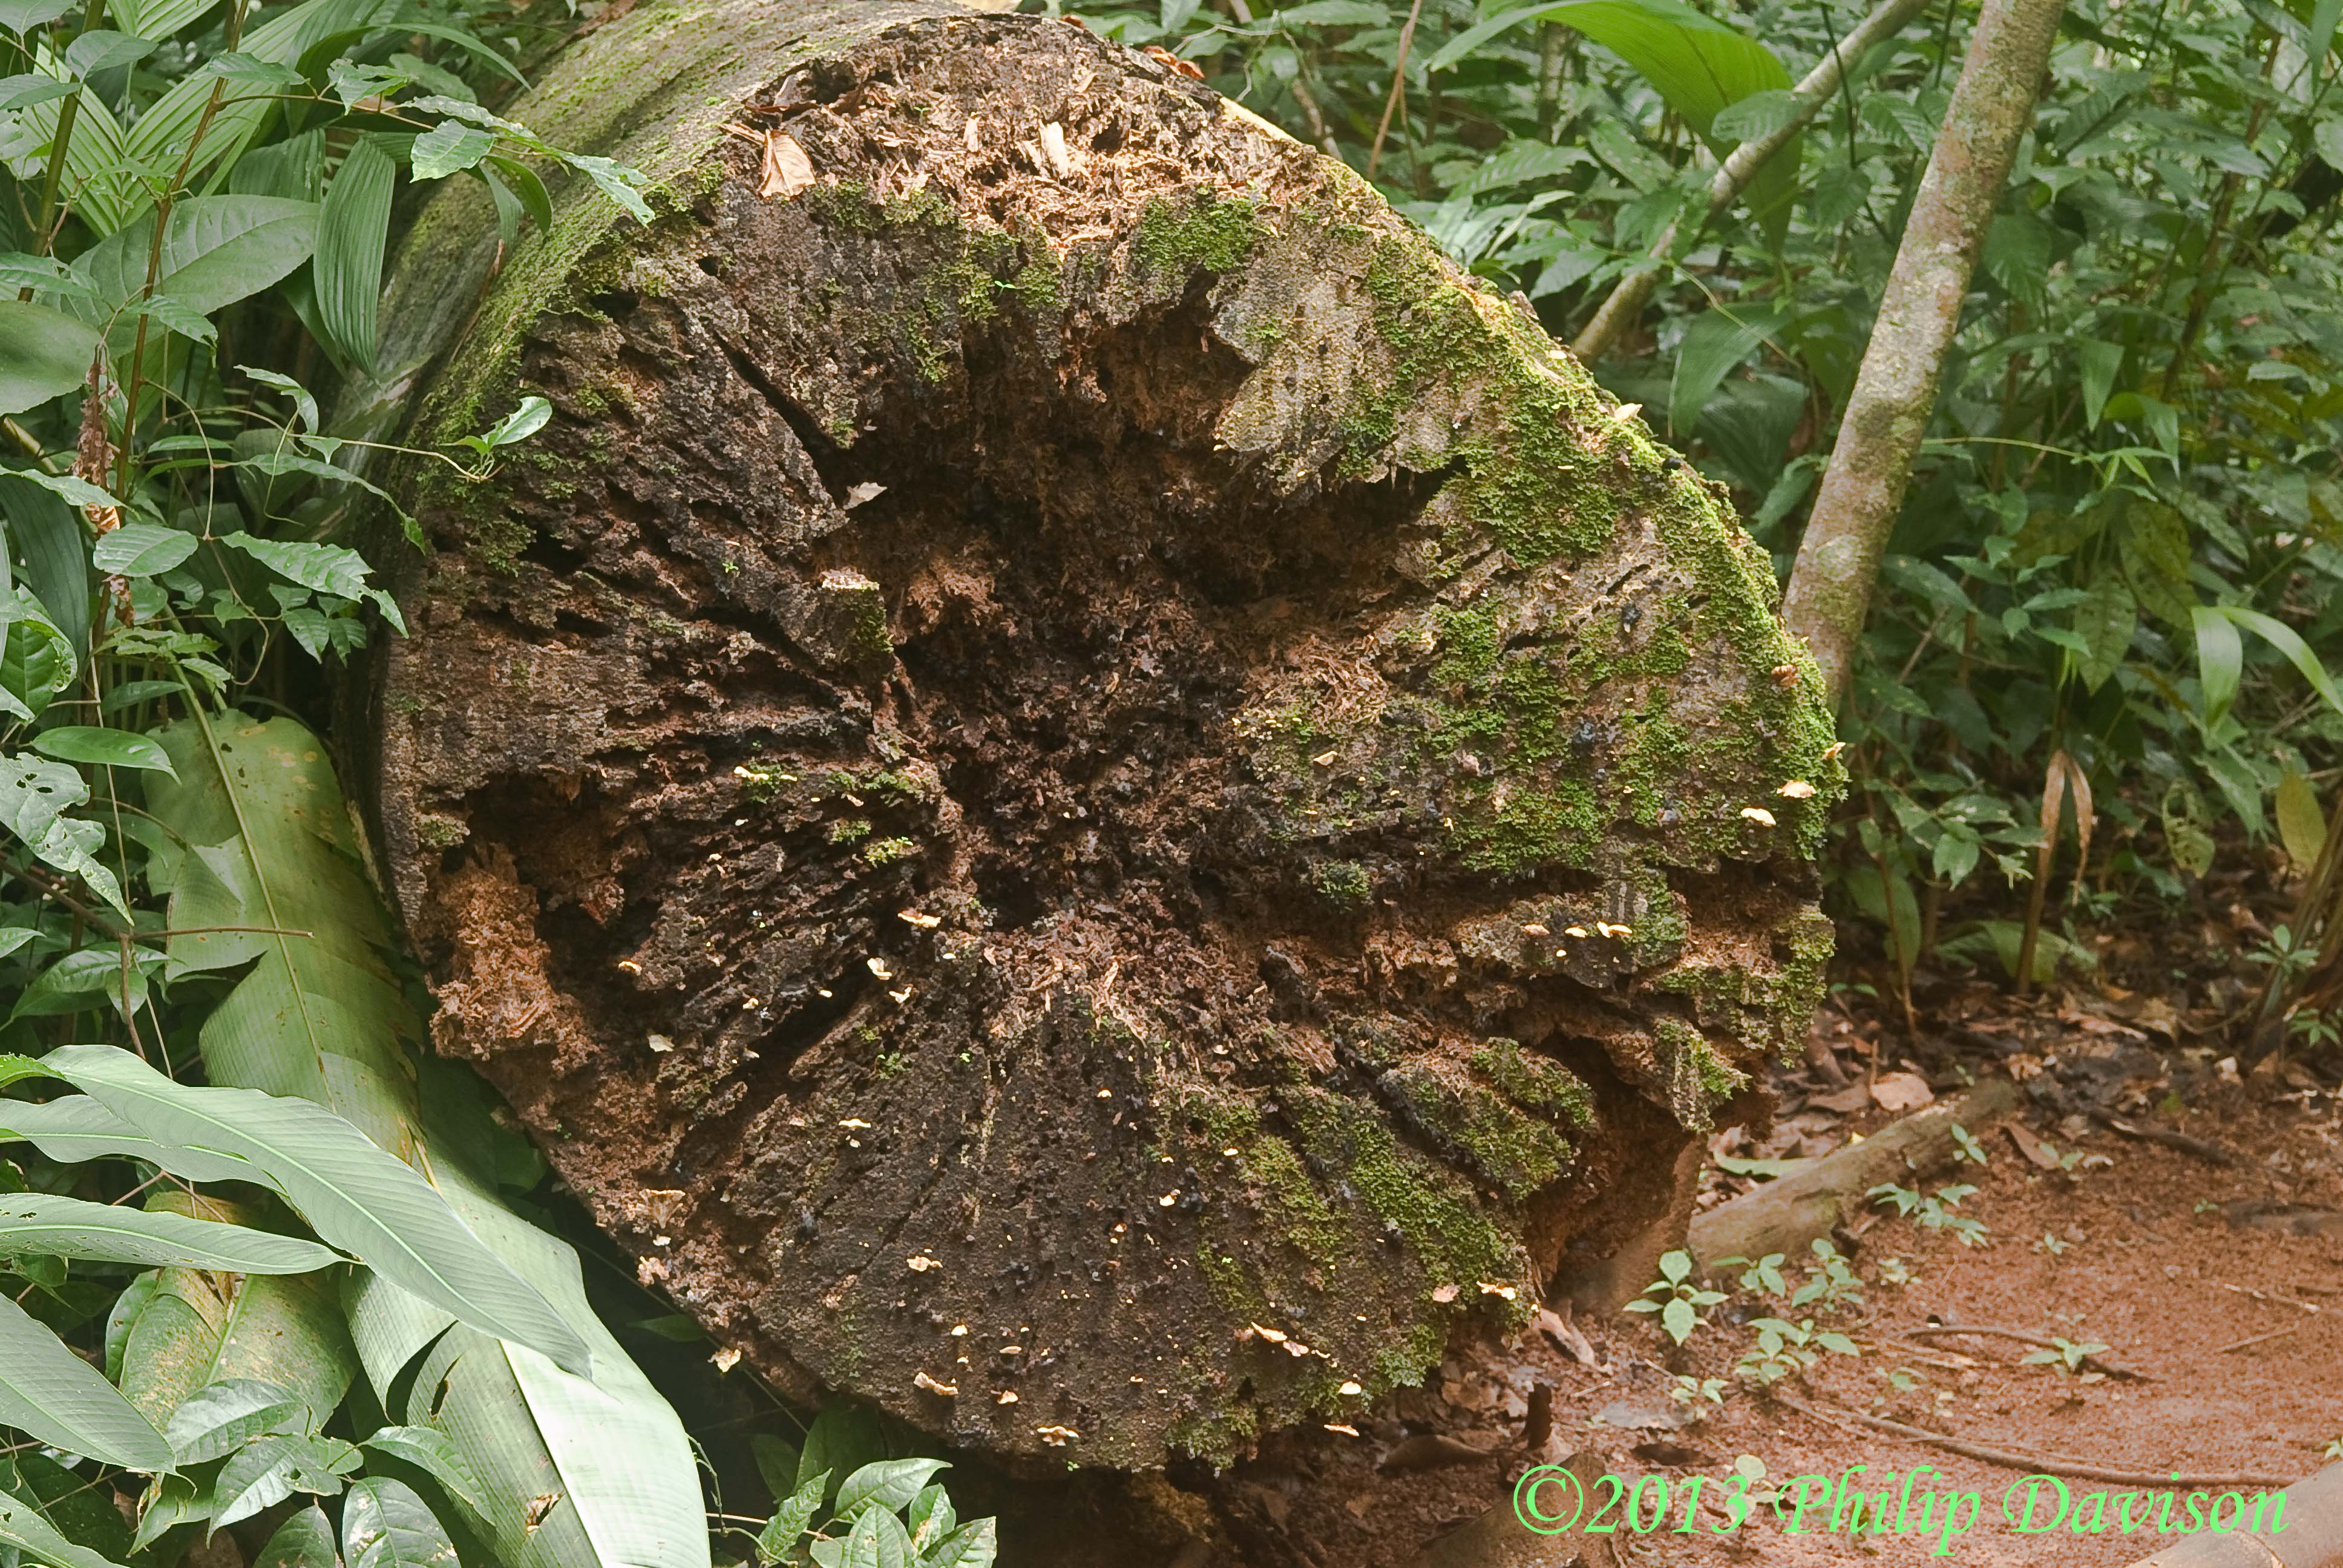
(1078, 790)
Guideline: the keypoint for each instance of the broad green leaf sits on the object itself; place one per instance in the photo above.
(781, 1533)
(197, 1329)
(355, 1195)
(2101, 361)
(220, 1418)
(102, 748)
(353, 228)
(430, 1450)
(280, 854)
(49, 355)
(98, 164)
(158, 18)
(21, 17)
(2288, 641)
(887, 1484)
(268, 1470)
(216, 250)
(304, 1541)
(55, 555)
(71, 1228)
(385, 1526)
(141, 550)
(2105, 621)
(1713, 345)
(23, 1528)
(520, 423)
(450, 147)
(877, 1541)
(2301, 825)
(842, 1441)
(52, 1393)
(79, 1127)
(170, 1502)
(777, 1462)
(2220, 662)
(104, 49)
(2154, 544)
(972, 1546)
(929, 1518)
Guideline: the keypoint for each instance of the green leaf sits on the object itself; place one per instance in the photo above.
(1713, 345)
(277, 849)
(55, 555)
(385, 1526)
(450, 147)
(268, 1470)
(2301, 825)
(216, 250)
(520, 423)
(141, 550)
(782, 1530)
(52, 1393)
(71, 1228)
(355, 1195)
(353, 228)
(21, 17)
(2155, 557)
(77, 1128)
(304, 1541)
(49, 355)
(972, 1546)
(220, 1418)
(2288, 641)
(104, 49)
(887, 1484)
(2101, 362)
(23, 1528)
(878, 1541)
(2105, 621)
(842, 1441)
(102, 748)
(1677, 1318)
(432, 1452)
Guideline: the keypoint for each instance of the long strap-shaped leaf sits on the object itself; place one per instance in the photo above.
(320, 1016)
(49, 1392)
(357, 1196)
(69, 1228)
(77, 1128)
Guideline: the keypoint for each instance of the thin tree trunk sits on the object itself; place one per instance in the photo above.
(1628, 296)
(1993, 104)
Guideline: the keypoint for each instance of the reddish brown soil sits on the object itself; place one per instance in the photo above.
(2147, 1268)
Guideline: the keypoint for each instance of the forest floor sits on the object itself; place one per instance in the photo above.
(2217, 1281)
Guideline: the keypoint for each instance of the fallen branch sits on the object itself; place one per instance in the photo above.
(2037, 1463)
(1941, 1331)
(2251, 1339)
(1784, 1214)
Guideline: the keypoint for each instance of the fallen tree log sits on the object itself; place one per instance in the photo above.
(1786, 1214)
(1078, 790)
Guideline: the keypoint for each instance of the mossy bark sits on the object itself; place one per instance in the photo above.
(1082, 791)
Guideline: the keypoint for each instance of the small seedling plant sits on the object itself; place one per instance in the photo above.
(2067, 1356)
(1934, 1211)
(1675, 1298)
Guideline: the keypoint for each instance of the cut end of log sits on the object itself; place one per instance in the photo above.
(1249, 644)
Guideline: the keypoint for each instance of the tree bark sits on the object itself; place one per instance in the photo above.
(1895, 391)
(1078, 790)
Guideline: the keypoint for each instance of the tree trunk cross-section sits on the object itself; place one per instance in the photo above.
(1078, 790)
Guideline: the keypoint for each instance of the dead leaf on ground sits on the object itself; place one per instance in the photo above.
(1847, 1101)
(2033, 1148)
(787, 169)
(1566, 1336)
(1901, 1092)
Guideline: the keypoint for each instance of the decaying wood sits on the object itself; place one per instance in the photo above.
(1081, 791)
(2312, 1536)
(1784, 1214)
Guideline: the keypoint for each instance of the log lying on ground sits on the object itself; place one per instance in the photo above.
(1078, 788)
(2310, 1536)
(1784, 1214)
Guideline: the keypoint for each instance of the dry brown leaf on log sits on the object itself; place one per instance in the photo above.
(787, 169)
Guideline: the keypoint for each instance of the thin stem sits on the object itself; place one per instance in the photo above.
(1398, 86)
(45, 232)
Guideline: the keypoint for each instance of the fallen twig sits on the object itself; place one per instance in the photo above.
(2257, 1339)
(2039, 1463)
(2272, 1301)
(1938, 1331)
(2212, 1153)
